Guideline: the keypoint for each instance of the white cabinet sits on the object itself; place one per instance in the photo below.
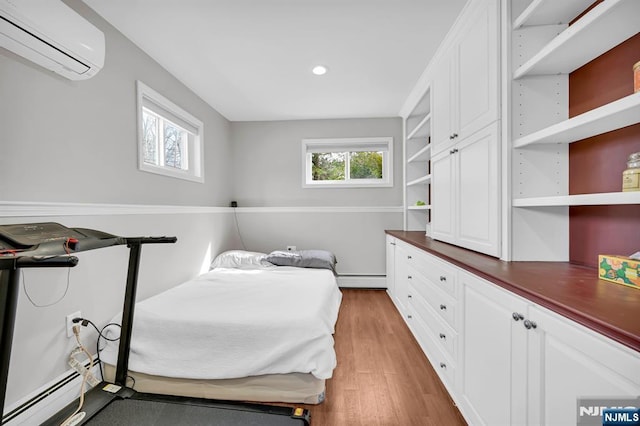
(494, 354)
(401, 274)
(465, 81)
(430, 309)
(465, 193)
(568, 362)
(504, 359)
(391, 263)
(522, 364)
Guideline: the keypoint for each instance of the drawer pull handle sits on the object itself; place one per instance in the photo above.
(443, 336)
(529, 324)
(443, 307)
(409, 296)
(443, 365)
(443, 278)
(409, 257)
(517, 316)
(409, 276)
(409, 316)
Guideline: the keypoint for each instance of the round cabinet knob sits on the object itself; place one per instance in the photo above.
(517, 316)
(443, 307)
(443, 278)
(409, 257)
(409, 316)
(529, 324)
(443, 336)
(409, 277)
(443, 365)
(409, 296)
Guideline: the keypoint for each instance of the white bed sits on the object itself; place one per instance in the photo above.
(254, 332)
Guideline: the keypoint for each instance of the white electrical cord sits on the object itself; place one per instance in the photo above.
(77, 416)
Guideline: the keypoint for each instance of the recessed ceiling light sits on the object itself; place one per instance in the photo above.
(319, 70)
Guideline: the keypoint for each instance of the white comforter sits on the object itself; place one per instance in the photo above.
(231, 323)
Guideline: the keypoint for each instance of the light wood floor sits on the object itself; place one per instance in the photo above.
(382, 377)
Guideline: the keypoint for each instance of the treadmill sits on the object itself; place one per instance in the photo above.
(52, 245)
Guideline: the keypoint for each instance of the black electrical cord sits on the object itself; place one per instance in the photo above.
(101, 335)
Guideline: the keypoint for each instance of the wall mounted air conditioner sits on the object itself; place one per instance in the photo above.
(53, 35)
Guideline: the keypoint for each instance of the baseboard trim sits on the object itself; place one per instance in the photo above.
(362, 281)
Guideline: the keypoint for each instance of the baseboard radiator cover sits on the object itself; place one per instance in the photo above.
(46, 401)
(362, 281)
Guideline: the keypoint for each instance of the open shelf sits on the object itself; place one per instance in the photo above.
(426, 207)
(546, 12)
(600, 199)
(421, 130)
(420, 181)
(615, 115)
(602, 28)
(422, 155)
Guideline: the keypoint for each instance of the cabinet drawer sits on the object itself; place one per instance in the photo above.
(442, 363)
(443, 304)
(434, 270)
(443, 335)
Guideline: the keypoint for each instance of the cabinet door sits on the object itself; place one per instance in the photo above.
(442, 104)
(493, 387)
(391, 264)
(401, 285)
(443, 197)
(477, 71)
(477, 201)
(568, 362)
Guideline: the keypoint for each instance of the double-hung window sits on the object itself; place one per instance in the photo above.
(169, 138)
(347, 162)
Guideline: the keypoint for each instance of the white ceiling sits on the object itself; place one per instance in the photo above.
(252, 59)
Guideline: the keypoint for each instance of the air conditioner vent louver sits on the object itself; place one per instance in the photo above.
(52, 35)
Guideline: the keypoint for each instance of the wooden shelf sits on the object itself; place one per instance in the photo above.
(426, 207)
(549, 12)
(601, 199)
(602, 28)
(422, 155)
(422, 130)
(420, 181)
(615, 115)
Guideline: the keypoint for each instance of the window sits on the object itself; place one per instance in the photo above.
(350, 162)
(169, 138)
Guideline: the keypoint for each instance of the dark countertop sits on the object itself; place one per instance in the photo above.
(569, 290)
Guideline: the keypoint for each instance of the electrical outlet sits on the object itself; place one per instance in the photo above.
(70, 323)
(291, 248)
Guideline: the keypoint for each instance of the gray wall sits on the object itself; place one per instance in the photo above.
(267, 165)
(267, 175)
(75, 142)
(66, 140)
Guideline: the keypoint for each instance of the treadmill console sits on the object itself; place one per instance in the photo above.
(27, 235)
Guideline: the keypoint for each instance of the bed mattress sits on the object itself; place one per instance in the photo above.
(236, 323)
(296, 388)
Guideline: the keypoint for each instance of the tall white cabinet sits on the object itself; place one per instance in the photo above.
(462, 89)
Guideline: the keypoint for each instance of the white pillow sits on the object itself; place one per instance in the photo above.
(241, 259)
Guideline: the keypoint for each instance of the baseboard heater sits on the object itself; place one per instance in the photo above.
(50, 391)
(362, 281)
